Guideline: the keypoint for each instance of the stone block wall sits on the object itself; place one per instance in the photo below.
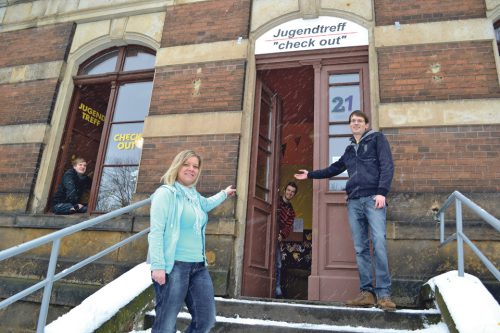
(407, 11)
(219, 160)
(438, 86)
(27, 96)
(201, 87)
(431, 72)
(36, 45)
(186, 91)
(445, 159)
(206, 22)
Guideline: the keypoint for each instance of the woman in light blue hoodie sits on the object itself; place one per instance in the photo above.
(177, 247)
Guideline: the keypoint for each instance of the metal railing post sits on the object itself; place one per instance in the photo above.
(460, 240)
(459, 235)
(441, 227)
(47, 291)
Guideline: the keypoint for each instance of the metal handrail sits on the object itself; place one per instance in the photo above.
(55, 238)
(460, 237)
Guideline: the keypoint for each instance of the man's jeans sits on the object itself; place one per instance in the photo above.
(190, 283)
(364, 217)
(65, 209)
(278, 291)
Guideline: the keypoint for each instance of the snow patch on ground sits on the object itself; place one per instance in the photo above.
(472, 307)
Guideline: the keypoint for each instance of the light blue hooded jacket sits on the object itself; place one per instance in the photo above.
(165, 216)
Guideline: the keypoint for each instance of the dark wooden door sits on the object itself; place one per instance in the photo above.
(260, 240)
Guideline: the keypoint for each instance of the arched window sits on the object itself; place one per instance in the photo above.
(105, 123)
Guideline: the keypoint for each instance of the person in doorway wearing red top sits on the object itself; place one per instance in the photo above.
(286, 216)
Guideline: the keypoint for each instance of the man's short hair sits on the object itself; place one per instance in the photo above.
(359, 113)
(78, 160)
(294, 185)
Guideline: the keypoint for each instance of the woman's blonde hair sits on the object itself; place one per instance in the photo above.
(170, 176)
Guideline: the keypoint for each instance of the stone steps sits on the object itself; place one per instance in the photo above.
(257, 315)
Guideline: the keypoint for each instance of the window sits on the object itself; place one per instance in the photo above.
(111, 100)
(347, 89)
(344, 98)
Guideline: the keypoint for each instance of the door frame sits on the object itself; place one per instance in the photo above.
(317, 59)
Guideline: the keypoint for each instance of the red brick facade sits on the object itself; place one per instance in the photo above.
(219, 165)
(410, 11)
(27, 102)
(449, 71)
(214, 86)
(445, 159)
(18, 167)
(36, 45)
(206, 22)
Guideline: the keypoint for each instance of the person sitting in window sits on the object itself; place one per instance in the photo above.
(67, 199)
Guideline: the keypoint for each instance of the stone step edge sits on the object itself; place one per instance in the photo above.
(309, 327)
(324, 306)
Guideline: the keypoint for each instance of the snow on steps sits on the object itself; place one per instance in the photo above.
(249, 316)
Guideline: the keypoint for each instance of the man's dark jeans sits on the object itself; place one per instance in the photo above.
(65, 209)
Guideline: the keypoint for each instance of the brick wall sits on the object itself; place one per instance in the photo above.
(214, 86)
(430, 72)
(27, 102)
(444, 159)
(410, 11)
(205, 22)
(36, 45)
(18, 166)
(219, 154)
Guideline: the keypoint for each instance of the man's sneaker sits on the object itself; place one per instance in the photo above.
(365, 299)
(386, 304)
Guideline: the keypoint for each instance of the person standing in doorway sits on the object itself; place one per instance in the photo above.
(368, 161)
(177, 247)
(286, 216)
(74, 183)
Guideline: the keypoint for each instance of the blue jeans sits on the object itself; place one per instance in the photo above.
(65, 209)
(364, 218)
(278, 291)
(190, 283)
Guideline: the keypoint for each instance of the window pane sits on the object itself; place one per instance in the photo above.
(262, 176)
(336, 150)
(133, 101)
(337, 185)
(343, 78)
(343, 100)
(124, 144)
(116, 188)
(138, 59)
(265, 120)
(339, 129)
(103, 64)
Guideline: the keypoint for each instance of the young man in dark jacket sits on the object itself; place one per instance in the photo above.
(74, 183)
(368, 161)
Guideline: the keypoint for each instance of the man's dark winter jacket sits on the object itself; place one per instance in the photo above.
(368, 163)
(71, 188)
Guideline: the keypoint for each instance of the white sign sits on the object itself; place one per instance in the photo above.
(320, 33)
(298, 225)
